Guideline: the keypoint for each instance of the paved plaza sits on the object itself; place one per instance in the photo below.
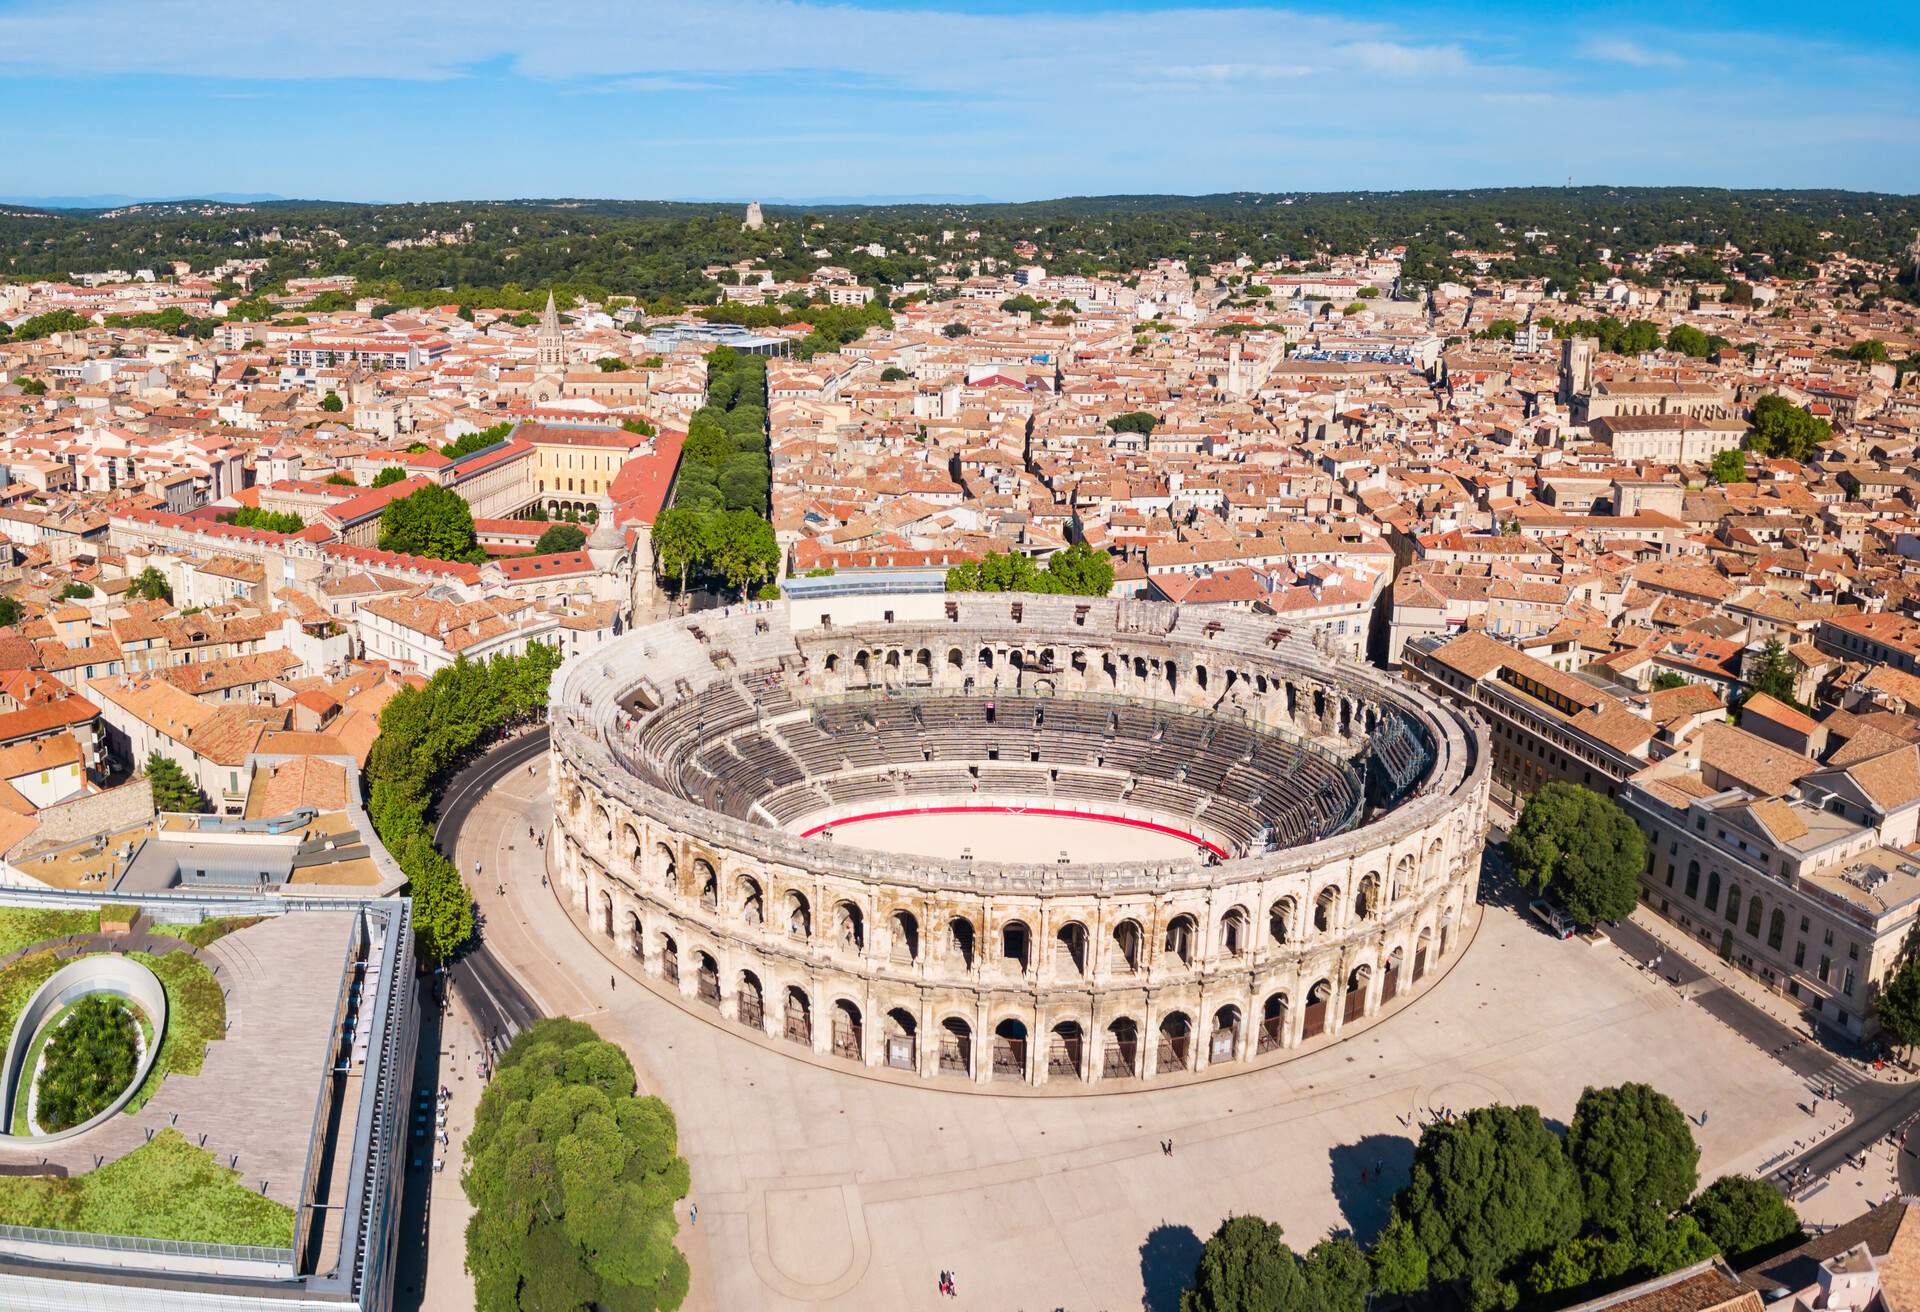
(817, 1186)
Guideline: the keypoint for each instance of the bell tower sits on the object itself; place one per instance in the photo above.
(549, 344)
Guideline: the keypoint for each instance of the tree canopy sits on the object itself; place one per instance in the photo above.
(560, 537)
(1580, 846)
(1781, 428)
(573, 1181)
(1246, 1266)
(389, 475)
(1080, 570)
(1637, 1162)
(430, 521)
(271, 521)
(173, 788)
(1730, 466)
(150, 585)
(1133, 421)
(467, 443)
(1741, 1215)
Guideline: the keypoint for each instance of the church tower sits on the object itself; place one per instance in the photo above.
(549, 343)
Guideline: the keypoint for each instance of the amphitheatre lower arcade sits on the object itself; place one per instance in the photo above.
(986, 838)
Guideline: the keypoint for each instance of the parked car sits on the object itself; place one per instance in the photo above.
(1552, 917)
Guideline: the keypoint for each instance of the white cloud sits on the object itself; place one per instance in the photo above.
(1396, 59)
(1238, 72)
(1619, 50)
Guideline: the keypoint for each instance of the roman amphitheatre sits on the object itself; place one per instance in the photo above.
(1000, 842)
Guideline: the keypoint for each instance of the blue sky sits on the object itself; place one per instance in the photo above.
(1009, 99)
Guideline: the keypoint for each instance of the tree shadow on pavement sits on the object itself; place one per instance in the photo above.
(1385, 1161)
(1167, 1260)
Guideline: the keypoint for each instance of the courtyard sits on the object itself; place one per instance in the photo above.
(819, 1186)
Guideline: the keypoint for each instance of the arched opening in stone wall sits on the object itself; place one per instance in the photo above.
(752, 1001)
(669, 959)
(1066, 1050)
(1176, 1042)
(1280, 920)
(956, 1047)
(606, 913)
(1010, 1050)
(905, 947)
(707, 982)
(1357, 980)
(1420, 947)
(960, 940)
(1225, 1040)
(1016, 944)
(1366, 901)
(799, 916)
(903, 1049)
(1122, 1059)
(1316, 1012)
(1326, 908)
(1070, 949)
(1180, 939)
(849, 927)
(1126, 942)
(799, 1017)
(1233, 932)
(752, 906)
(848, 1037)
(636, 937)
(709, 884)
(1273, 1022)
(1390, 975)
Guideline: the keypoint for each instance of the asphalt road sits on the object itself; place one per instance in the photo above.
(489, 991)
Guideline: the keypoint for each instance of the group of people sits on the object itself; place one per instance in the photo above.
(947, 1286)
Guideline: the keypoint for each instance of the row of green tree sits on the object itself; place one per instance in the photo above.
(271, 521)
(723, 464)
(736, 548)
(1079, 570)
(426, 733)
(1500, 1209)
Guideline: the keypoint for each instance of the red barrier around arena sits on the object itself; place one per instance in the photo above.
(1195, 839)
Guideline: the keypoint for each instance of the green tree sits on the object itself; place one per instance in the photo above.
(388, 476)
(1133, 421)
(76, 592)
(1488, 1189)
(957, 330)
(680, 542)
(9, 612)
(1581, 847)
(429, 521)
(893, 373)
(173, 790)
(342, 479)
(1898, 1005)
(743, 550)
(1781, 428)
(610, 364)
(1081, 571)
(1637, 1161)
(1773, 673)
(269, 521)
(1870, 351)
(32, 386)
(1730, 466)
(560, 537)
(150, 585)
(467, 443)
(1246, 1266)
(332, 403)
(1667, 680)
(1689, 341)
(1399, 1263)
(573, 1181)
(1741, 1215)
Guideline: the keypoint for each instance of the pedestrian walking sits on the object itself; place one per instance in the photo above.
(612, 983)
(693, 1213)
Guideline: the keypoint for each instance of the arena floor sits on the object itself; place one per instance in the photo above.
(1002, 833)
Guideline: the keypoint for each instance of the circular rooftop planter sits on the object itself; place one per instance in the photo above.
(108, 973)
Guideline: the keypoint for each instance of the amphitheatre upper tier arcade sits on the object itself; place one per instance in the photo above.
(994, 837)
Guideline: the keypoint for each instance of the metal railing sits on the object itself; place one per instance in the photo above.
(156, 1247)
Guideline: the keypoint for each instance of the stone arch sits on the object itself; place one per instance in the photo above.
(1366, 899)
(1273, 1021)
(1315, 1019)
(1326, 909)
(905, 946)
(956, 1046)
(1280, 917)
(954, 659)
(799, 915)
(606, 913)
(797, 1022)
(708, 882)
(1357, 980)
(1176, 1042)
(635, 850)
(750, 1001)
(849, 926)
(1390, 975)
(1180, 940)
(667, 867)
(1070, 948)
(1128, 945)
(636, 936)
(669, 958)
(1223, 1044)
(1234, 936)
(1067, 1050)
(849, 1033)
(900, 1033)
(1122, 1054)
(1421, 948)
(1010, 1049)
(706, 978)
(960, 940)
(751, 900)
(1016, 944)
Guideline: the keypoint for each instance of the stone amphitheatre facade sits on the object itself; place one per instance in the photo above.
(1335, 818)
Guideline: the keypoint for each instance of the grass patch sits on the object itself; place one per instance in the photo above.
(165, 1189)
(21, 926)
(207, 930)
(196, 1016)
(18, 980)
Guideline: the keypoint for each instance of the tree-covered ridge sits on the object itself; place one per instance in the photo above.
(657, 252)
